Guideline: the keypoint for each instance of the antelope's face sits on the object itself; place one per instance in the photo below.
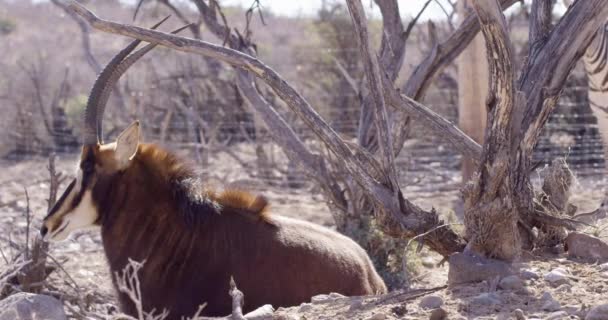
(77, 209)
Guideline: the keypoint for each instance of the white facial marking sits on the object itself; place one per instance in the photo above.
(81, 217)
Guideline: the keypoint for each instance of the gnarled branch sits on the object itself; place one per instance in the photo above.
(411, 218)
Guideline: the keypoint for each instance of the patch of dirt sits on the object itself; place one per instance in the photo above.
(587, 286)
(82, 257)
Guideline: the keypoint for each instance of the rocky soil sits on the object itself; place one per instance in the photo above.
(544, 286)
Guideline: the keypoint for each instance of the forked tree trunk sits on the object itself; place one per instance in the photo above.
(501, 195)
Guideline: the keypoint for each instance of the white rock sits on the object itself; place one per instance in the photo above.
(557, 277)
(335, 295)
(431, 302)
(261, 313)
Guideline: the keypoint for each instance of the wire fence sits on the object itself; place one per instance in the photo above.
(244, 149)
(191, 105)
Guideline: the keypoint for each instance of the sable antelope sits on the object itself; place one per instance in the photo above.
(151, 206)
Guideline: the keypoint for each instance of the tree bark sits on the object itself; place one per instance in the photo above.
(490, 219)
(501, 196)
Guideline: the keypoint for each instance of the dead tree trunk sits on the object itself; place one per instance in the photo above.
(501, 196)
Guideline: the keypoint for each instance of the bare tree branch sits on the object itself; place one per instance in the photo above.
(392, 47)
(291, 144)
(374, 79)
(439, 57)
(351, 81)
(85, 36)
(411, 218)
(194, 27)
(441, 127)
(88, 53)
(392, 53)
(412, 23)
(540, 23)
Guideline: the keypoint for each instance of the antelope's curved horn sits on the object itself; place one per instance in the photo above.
(102, 87)
(116, 74)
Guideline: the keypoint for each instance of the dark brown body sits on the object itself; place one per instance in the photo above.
(193, 242)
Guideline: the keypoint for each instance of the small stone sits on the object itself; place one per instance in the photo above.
(511, 283)
(431, 302)
(486, 299)
(570, 309)
(335, 295)
(320, 298)
(558, 315)
(604, 267)
(529, 275)
(305, 307)
(264, 312)
(438, 314)
(598, 313)
(546, 296)
(557, 276)
(551, 305)
(518, 314)
(356, 304)
(378, 316)
(582, 245)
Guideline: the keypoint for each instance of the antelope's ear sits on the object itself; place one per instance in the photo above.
(126, 144)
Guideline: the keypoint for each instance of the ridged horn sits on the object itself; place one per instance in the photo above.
(93, 112)
(116, 74)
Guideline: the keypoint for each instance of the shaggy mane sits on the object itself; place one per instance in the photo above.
(195, 203)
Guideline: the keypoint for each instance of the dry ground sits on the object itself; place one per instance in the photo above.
(82, 256)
